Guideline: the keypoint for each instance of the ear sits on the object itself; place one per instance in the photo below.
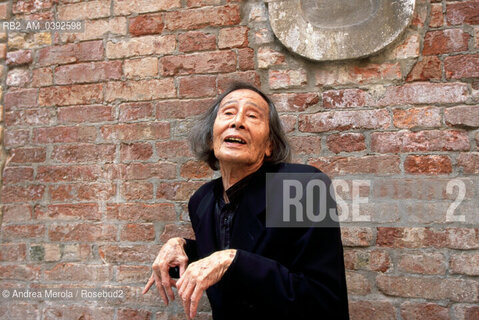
(269, 149)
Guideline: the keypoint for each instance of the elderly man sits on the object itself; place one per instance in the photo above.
(249, 270)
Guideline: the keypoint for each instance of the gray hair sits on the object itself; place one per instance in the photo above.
(201, 136)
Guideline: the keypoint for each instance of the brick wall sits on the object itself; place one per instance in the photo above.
(97, 170)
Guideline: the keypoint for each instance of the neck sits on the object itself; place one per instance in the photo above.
(233, 172)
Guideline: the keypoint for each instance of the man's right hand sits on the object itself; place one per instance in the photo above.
(172, 254)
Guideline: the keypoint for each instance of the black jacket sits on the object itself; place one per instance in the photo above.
(277, 273)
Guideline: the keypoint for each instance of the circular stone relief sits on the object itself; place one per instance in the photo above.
(338, 29)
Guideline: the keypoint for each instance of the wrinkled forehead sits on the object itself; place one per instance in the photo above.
(246, 96)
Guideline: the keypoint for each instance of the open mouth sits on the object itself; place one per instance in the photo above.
(235, 140)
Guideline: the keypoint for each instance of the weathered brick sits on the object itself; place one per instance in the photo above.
(469, 162)
(79, 114)
(133, 314)
(16, 213)
(356, 236)
(146, 24)
(423, 311)
(69, 53)
(357, 283)
(64, 134)
(371, 310)
(141, 46)
(19, 57)
(69, 95)
(268, 57)
(462, 66)
(77, 312)
(422, 263)
(83, 153)
(27, 193)
(176, 230)
(428, 288)
(132, 274)
(82, 232)
(234, 37)
(203, 17)
(263, 36)
(173, 149)
(137, 232)
(135, 151)
(308, 145)
(426, 69)
(42, 77)
(23, 232)
(203, 62)
(15, 99)
(283, 79)
(445, 41)
(360, 259)
(437, 17)
(246, 59)
(136, 190)
(136, 131)
(346, 142)
(88, 72)
(285, 102)
(335, 74)
(142, 212)
(432, 164)
(344, 120)
(18, 78)
(16, 138)
(130, 253)
(180, 191)
(196, 41)
(140, 90)
(409, 48)
(202, 3)
(465, 312)
(13, 175)
(12, 252)
(462, 12)
(195, 170)
(346, 98)
(25, 155)
(59, 212)
(225, 80)
(431, 140)
(3, 51)
(429, 117)
(20, 272)
(197, 86)
(4, 14)
(84, 10)
(467, 116)
(141, 68)
(68, 173)
(77, 272)
(465, 263)
(29, 117)
(377, 164)
(136, 111)
(125, 7)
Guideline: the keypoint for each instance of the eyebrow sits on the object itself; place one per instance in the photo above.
(236, 101)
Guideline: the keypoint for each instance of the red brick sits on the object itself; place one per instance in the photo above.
(180, 191)
(357, 283)
(359, 259)
(417, 117)
(344, 120)
(140, 90)
(377, 164)
(465, 263)
(234, 37)
(176, 230)
(25, 155)
(18, 78)
(16, 213)
(352, 73)
(83, 232)
(142, 212)
(146, 24)
(424, 93)
(136, 111)
(68, 95)
(428, 288)
(263, 36)
(136, 131)
(132, 274)
(68, 173)
(19, 57)
(196, 41)
(132, 314)
(84, 10)
(202, 3)
(180, 109)
(141, 46)
(131, 253)
(445, 41)
(80, 114)
(356, 236)
(197, 86)
(69, 53)
(62, 192)
(288, 122)
(462, 12)
(466, 312)
(426, 69)
(3, 51)
(246, 59)
(203, 62)
(30, 7)
(225, 80)
(20, 272)
(14, 99)
(64, 134)
(13, 175)
(23, 232)
(12, 252)
(371, 310)
(469, 162)
(346, 98)
(97, 191)
(27, 193)
(467, 116)
(203, 17)
(285, 102)
(141, 171)
(29, 117)
(126, 7)
(4, 12)
(83, 153)
(433, 164)
(431, 140)
(437, 17)
(52, 312)
(75, 272)
(422, 263)
(173, 149)
(59, 212)
(308, 145)
(283, 79)
(268, 57)
(195, 170)
(88, 72)
(137, 190)
(423, 311)
(135, 151)
(346, 142)
(462, 66)
(141, 68)
(16, 138)
(138, 232)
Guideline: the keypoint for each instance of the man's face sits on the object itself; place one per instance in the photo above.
(241, 129)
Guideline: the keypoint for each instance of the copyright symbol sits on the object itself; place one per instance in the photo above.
(5, 293)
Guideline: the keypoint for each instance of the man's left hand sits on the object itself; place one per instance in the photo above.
(201, 275)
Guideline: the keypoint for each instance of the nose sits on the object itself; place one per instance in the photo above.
(238, 120)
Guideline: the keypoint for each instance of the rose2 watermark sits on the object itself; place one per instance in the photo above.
(312, 199)
(63, 294)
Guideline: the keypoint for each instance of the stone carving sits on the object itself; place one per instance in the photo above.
(338, 29)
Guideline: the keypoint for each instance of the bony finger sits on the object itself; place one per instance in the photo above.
(195, 300)
(149, 284)
(165, 282)
(161, 291)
